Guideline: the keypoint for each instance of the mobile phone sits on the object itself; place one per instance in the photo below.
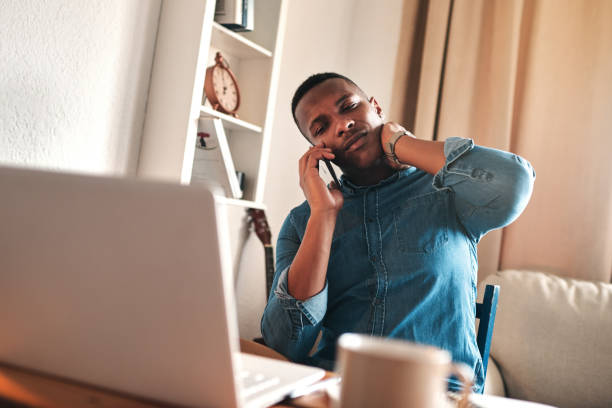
(330, 169)
(332, 172)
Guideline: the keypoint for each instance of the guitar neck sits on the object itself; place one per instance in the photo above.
(269, 268)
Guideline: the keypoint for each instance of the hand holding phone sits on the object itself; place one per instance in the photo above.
(315, 180)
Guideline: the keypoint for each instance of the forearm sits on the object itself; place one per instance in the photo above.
(491, 187)
(308, 270)
(423, 154)
(288, 325)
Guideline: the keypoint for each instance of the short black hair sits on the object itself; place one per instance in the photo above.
(310, 83)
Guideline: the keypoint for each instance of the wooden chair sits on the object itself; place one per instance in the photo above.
(485, 312)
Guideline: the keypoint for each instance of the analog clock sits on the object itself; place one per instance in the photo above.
(221, 87)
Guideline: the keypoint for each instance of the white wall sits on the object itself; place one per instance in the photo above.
(74, 78)
(373, 47)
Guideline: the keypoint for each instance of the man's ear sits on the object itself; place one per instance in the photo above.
(377, 107)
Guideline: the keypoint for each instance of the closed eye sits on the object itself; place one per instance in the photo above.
(349, 106)
(319, 130)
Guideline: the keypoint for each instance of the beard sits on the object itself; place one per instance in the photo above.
(369, 155)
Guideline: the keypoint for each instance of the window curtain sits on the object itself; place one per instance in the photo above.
(533, 77)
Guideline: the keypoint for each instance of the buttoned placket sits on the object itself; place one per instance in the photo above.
(373, 235)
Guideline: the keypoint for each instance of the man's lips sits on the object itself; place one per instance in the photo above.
(353, 139)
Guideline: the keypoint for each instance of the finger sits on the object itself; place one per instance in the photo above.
(326, 152)
(315, 156)
(302, 164)
(336, 192)
(321, 146)
(303, 161)
(313, 160)
(315, 148)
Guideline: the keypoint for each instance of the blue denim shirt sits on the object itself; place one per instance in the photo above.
(403, 259)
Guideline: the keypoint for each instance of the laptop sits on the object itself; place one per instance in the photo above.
(126, 285)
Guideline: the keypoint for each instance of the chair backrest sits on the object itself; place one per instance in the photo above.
(485, 312)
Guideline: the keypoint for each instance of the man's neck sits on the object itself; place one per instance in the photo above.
(370, 176)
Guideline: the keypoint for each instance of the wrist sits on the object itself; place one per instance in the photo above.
(324, 215)
(391, 146)
(402, 146)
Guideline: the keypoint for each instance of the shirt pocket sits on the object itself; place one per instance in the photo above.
(421, 224)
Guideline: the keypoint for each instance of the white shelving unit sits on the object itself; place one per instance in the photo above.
(241, 46)
(187, 41)
(229, 121)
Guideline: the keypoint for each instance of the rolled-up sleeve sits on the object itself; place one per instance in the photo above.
(491, 187)
(288, 325)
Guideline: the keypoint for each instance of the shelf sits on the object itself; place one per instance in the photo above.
(229, 121)
(242, 203)
(235, 44)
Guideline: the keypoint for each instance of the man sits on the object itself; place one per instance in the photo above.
(392, 250)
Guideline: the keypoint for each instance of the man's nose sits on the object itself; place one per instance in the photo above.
(345, 127)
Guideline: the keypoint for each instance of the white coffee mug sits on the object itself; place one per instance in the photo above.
(378, 372)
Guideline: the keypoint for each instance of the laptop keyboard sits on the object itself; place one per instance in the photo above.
(253, 383)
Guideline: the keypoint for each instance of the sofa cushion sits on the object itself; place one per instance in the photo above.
(494, 384)
(552, 338)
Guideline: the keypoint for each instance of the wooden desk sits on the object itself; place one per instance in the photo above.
(26, 388)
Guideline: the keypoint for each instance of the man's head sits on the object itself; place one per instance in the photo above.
(329, 108)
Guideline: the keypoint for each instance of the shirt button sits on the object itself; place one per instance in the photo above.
(370, 219)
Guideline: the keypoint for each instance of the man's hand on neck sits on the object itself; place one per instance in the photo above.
(402, 149)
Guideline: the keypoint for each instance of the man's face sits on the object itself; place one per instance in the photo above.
(338, 114)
